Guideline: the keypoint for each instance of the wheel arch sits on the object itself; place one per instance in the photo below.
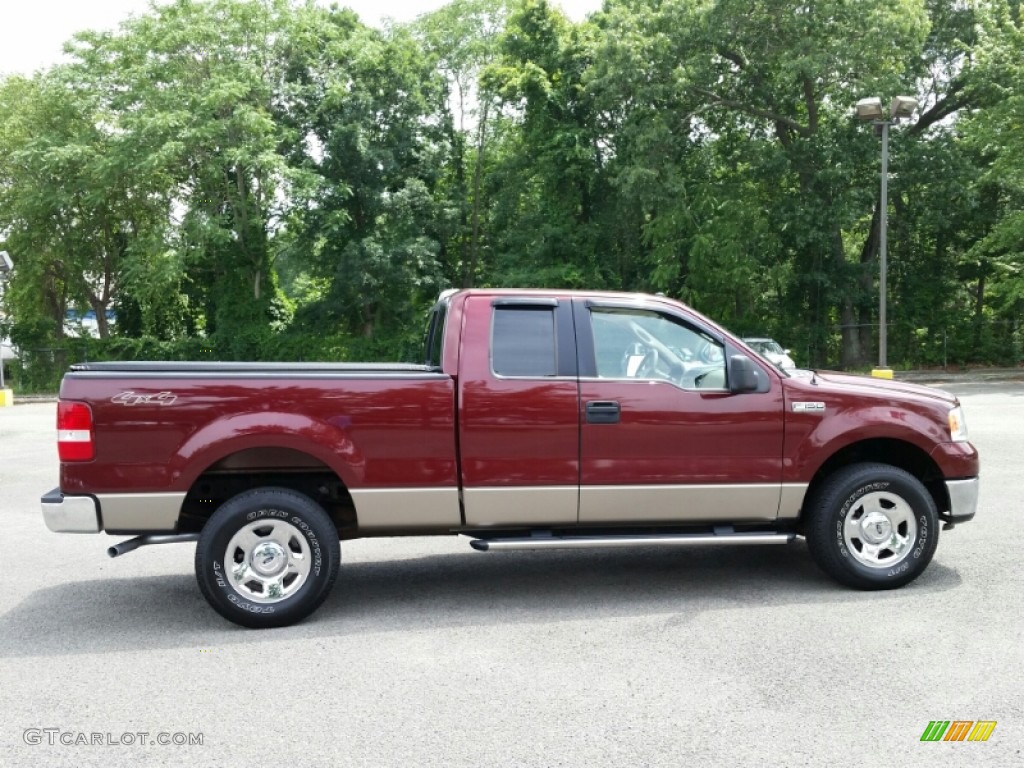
(886, 450)
(245, 468)
(329, 443)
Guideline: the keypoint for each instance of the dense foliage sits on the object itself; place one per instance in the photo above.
(247, 179)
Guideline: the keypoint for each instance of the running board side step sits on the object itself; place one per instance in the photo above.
(653, 540)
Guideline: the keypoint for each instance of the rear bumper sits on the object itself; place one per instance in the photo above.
(963, 500)
(120, 513)
(70, 514)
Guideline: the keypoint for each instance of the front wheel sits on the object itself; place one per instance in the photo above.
(872, 526)
(267, 558)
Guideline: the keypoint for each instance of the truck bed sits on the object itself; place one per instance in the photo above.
(146, 367)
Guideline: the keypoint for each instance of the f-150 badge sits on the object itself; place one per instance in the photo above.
(809, 407)
(134, 398)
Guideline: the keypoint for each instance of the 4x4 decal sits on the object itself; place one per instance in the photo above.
(134, 398)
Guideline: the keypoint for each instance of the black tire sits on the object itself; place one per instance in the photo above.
(284, 559)
(872, 526)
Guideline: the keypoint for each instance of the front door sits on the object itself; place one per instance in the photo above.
(663, 440)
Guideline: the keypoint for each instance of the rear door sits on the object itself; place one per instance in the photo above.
(662, 438)
(519, 412)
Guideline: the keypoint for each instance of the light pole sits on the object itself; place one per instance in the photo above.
(870, 110)
(6, 265)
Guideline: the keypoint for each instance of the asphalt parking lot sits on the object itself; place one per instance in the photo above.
(428, 653)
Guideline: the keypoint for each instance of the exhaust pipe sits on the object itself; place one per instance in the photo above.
(128, 545)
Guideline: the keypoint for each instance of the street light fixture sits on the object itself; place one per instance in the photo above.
(870, 110)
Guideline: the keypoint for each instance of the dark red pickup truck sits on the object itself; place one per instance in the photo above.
(539, 419)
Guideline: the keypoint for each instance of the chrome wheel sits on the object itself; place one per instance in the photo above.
(871, 526)
(267, 560)
(880, 529)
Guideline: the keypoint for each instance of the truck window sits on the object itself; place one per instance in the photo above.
(523, 341)
(435, 334)
(639, 344)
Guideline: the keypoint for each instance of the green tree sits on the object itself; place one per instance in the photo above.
(362, 111)
(548, 182)
(77, 218)
(195, 85)
(463, 38)
(993, 260)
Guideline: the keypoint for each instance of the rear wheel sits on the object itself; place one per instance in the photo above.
(872, 526)
(267, 558)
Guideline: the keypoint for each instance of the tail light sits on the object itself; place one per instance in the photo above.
(74, 431)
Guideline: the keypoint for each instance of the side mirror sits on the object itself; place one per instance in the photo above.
(742, 374)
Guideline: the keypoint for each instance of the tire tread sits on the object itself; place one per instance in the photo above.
(820, 517)
(266, 496)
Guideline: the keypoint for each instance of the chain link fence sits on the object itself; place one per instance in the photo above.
(992, 343)
(998, 343)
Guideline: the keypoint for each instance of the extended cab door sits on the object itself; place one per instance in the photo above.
(519, 412)
(662, 437)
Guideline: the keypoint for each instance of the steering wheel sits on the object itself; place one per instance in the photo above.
(648, 339)
(643, 334)
(711, 353)
(649, 365)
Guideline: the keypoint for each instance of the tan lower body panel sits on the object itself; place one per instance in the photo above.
(409, 508)
(616, 504)
(140, 511)
(438, 508)
(679, 503)
(792, 500)
(544, 505)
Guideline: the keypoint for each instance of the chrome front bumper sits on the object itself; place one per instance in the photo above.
(963, 500)
(70, 514)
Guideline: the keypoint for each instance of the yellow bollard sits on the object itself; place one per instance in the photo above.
(6, 397)
(882, 373)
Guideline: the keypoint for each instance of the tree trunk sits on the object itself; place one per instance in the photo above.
(850, 352)
(868, 274)
(102, 326)
(979, 308)
(474, 244)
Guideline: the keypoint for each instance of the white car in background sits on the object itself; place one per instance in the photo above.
(772, 351)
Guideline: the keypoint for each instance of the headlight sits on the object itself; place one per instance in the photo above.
(957, 425)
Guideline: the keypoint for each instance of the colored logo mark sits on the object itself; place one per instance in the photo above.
(958, 730)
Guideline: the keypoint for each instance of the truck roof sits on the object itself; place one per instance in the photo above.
(554, 292)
